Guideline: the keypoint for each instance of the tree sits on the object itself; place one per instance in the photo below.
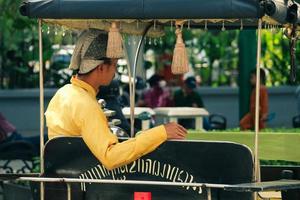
(19, 53)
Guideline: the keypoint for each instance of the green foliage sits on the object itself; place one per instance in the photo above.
(18, 38)
(266, 130)
(213, 55)
(276, 146)
(19, 52)
(279, 163)
(276, 58)
(36, 165)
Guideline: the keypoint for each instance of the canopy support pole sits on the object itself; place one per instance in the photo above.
(257, 88)
(132, 83)
(69, 195)
(41, 77)
(208, 193)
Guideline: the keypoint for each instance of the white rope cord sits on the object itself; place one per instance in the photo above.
(131, 94)
(132, 84)
(41, 77)
(132, 100)
(132, 104)
(256, 161)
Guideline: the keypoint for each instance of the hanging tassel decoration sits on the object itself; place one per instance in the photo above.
(180, 63)
(114, 44)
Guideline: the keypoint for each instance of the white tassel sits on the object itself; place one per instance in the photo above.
(114, 44)
(180, 63)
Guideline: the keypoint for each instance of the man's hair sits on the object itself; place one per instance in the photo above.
(154, 79)
(262, 75)
(190, 82)
(105, 61)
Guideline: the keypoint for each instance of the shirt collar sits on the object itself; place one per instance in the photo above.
(75, 81)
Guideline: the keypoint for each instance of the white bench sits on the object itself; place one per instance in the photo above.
(137, 112)
(172, 114)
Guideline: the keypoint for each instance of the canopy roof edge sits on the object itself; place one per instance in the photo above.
(275, 12)
(142, 9)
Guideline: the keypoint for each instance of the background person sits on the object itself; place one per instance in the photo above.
(189, 97)
(158, 95)
(9, 133)
(248, 121)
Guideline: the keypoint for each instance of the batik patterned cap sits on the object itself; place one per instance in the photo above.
(90, 51)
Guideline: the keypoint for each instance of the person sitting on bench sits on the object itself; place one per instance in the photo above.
(248, 121)
(74, 110)
(189, 97)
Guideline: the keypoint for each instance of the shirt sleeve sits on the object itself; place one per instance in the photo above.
(105, 146)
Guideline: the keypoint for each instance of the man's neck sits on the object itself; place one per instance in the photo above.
(89, 81)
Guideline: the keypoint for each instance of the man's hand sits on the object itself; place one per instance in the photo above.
(175, 131)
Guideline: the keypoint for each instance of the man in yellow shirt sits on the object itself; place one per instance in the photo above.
(74, 110)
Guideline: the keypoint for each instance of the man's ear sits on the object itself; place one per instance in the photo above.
(105, 66)
(100, 67)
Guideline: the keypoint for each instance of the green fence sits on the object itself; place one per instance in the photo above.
(272, 146)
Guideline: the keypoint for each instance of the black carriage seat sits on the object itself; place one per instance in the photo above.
(16, 150)
(177, 161)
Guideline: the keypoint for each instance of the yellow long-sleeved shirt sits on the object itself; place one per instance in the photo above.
(74, 111)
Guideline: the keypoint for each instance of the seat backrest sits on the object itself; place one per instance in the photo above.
(174, 161)
(17, 150)
(217, 122)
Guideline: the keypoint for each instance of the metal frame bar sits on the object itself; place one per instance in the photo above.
(41, 83)
(124, 182)
(68, 181)
(208, 186)
(257, 97)
(208, 194)
(69, 191)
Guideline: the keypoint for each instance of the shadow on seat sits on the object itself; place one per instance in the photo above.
(217, 122)
(174, 161)
(296, 121)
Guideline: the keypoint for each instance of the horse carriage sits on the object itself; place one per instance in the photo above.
(177, 169)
